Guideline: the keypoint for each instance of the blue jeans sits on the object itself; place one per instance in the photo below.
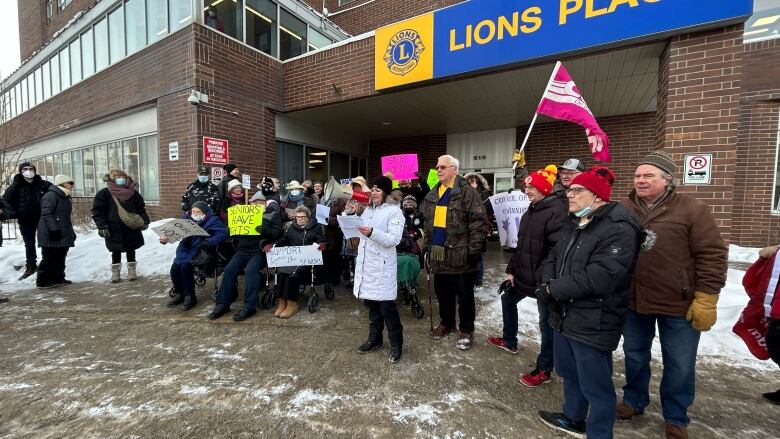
(251, 264)
(183, 279)
(587, 384)
(509, 303)
(679, 345)
(28, 235)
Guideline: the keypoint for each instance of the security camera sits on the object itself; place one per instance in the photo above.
(325, 11)
(193, 99)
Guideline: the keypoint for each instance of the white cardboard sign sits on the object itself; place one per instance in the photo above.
(323, 212)
(509, 208)
(178, 229)
(294, 256)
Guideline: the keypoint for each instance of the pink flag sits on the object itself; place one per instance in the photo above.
(563, 100)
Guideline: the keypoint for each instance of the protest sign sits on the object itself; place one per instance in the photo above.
(433, 178)
(323, 212)
(349, 225)
(294, 256)
(178, 229)
(345, 181)
(509, 208)
(243, 219)
(402, 166)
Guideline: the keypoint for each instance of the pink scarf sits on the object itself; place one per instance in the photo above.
(123, 193)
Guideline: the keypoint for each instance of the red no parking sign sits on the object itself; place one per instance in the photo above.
(698, 169)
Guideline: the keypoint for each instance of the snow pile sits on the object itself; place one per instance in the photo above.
(742, 254)
(89, 260)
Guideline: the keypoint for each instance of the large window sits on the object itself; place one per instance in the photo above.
(87, 53)
(135, 25)
(765, 22)
(31, 90)
(181, 13)
(38, 86)
(289, 162)
(150, 176)
(225, 16)
(101, 45)
(65, 68)
(299, 162)
(75, 61)
(116, 35)
(88, 159)
(318, 40)
(292, 36)
(78, 172)
(261, 26)
(156, 20)
(46, 77)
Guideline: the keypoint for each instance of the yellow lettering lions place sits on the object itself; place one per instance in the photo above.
(595, 8)
(486, 31)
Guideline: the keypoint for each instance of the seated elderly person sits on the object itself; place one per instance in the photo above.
(181, 270)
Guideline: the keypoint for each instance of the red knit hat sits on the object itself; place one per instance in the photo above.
(598, 180)
(543, 179)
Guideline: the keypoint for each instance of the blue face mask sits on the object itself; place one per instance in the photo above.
(120, 181)
(295, 193)
(585, 211)
(203, 178)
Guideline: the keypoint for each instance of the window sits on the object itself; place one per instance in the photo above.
(130, 158)
(101, 45)
(19, 97)
(318, 40)
(116, 35)
(87, 53)
(292, 36)
(54, 63)
(148, 154)
(115, 155)
(357, 167)
(77, 172)
(75, 61)
(64, 68)
(135, 25)
(46, 78)
(101, 162)
(156, 20)
(49, 168)
(58, 165)
(38, 86)
(88, 161)
(344, 2)
(181, 14)
(289, 161)
(765, 22)
(227, 17)
(261, 25)
(64, 3)
(339, 166)
(49, 10)
(31, 90)
(23, 94)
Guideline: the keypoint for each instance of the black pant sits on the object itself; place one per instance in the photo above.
(116, 257)
(52, 268)
(183, 279)
(289, 285)
(28, 234)
(381, 313)
(332, 261)
(452, 289)
(772, 339)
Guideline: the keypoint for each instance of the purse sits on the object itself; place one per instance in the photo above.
(131, 220)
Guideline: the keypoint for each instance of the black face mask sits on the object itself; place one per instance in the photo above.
(408, 210)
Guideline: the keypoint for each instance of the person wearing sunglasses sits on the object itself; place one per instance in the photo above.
(55, 232)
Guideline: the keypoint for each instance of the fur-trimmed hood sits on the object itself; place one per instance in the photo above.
(480, 179)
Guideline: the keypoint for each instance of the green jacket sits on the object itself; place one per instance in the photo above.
(467, 227)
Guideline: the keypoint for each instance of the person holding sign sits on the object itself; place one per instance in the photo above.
(304, 231)
(376, 269)
(234, 197)
(182, 275)
(250, 258)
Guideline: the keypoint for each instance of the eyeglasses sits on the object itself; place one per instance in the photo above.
(575, 190)
(441, 168)
(301, 217)
(70, 183)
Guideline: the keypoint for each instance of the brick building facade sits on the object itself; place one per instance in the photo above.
(713, 95)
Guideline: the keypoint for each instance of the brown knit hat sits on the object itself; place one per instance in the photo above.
(661, 160)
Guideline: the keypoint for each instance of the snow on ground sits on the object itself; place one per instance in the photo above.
(88, 261)
(742, 254)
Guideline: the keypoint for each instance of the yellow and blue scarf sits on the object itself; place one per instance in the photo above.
(439, 234)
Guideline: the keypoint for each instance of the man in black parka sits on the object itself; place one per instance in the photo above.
(24, 197)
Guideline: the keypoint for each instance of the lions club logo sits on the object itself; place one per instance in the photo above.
(403, 52)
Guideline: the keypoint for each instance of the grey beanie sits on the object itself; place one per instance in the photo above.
(661, 160)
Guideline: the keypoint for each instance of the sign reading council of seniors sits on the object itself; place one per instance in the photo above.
(481, 34)
(402, 166)
(509, 208)
(244, 219)
(294, 256)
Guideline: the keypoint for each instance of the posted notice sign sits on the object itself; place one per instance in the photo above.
(698, 169)
(215, 151)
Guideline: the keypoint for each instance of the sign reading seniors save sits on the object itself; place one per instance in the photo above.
(509, 208)
(482, 34)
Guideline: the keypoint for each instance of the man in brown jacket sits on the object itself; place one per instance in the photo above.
(676, 286)
(455, 231)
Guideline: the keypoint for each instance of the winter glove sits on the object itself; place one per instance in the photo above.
(321, 247)
(103, 233)
(703, 311)
(55, 235)
(259, 229)
(542, 293)
(474, 258)
(267, 248)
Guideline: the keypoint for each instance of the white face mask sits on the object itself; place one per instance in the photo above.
(28, 174)
(198, 218)
(295, 193)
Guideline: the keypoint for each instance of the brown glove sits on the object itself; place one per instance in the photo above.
(703, 311)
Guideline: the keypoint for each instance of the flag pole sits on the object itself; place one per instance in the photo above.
(533, 121)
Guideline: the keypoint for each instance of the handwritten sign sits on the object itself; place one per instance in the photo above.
(402, 166)
(243, 219)
(323, 212)
(178, 229)
(509, 208)
(294, 256)
(349, 225)
(433, 178)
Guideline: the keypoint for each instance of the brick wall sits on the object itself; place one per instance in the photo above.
(702, 110)
(631, 137)
(370, 15)
(33, 27)
(428, 149)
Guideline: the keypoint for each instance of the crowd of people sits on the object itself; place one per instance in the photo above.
(600, 268)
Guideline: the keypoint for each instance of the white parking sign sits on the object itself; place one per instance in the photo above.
(698, 169)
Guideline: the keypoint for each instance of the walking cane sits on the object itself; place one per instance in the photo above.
(430, 292)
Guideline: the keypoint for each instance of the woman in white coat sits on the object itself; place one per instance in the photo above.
(375, 269)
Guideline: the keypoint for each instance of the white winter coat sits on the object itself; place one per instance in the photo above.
(375, 266)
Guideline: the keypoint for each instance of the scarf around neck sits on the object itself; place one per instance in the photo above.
(439, 234)
(123, 193)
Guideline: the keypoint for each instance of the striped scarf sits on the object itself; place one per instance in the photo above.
(439, 234)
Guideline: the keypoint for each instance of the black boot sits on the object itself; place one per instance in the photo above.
(189, 302)
(371, 344)
(395, 354)
(177, 300)
(773, 397)
(245, 313)
(218, 311)
(29, 270)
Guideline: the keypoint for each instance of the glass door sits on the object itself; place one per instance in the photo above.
(502, 181)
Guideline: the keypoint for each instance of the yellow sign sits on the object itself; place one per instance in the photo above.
(403, 52)
(244, 219)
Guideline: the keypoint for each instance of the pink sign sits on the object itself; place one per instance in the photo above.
(402, 166)
(215, 151)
